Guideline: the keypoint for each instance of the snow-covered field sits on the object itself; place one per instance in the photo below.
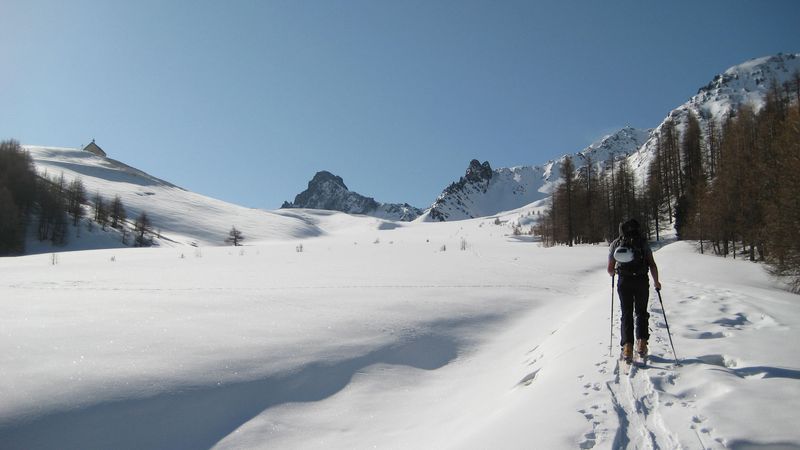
(384, 335)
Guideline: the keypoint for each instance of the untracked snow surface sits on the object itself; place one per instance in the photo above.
(387, 335)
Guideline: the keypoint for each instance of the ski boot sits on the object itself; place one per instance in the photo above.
(641, 349)
(627, 353)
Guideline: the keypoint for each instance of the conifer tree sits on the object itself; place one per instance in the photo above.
(693, 179)
(76, 197)
(118, 214)
(141, 229)
(17, 196)
(100, 210)
(235, 237)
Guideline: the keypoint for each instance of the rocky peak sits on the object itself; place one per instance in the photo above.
(323, 177)
(328, 191)
(478, 172)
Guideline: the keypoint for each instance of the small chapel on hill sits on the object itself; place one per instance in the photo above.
(94, 148)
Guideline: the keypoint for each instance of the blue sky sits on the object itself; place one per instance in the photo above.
(246, 100)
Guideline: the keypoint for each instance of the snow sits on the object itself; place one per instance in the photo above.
(182, 217)
(380, 334)
(374, 336)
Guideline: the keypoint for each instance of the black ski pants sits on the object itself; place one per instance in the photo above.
(634, 294)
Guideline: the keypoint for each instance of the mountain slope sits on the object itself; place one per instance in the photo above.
(180, 216)
(746, 83)
(328, 191)
(506, 189)
(483, 191)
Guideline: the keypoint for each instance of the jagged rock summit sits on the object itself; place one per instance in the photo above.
(328, 191)
(484, 191)
(477, 172)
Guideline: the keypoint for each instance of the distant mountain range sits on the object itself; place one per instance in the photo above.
(484, 191)
(182, 217)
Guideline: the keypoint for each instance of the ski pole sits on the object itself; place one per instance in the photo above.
(611, 341)
(663, 311)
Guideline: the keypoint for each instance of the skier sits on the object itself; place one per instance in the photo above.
(631, 258)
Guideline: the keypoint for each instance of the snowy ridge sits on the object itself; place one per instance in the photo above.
(510, 188)
(746, 83)
(624, 142)
(482, 192)
(180, 216)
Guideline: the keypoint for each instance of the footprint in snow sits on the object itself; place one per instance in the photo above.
(589, 441)
(528, 379)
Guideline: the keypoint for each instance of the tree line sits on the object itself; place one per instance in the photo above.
(588, 205)
(730, 184)
(50, 204)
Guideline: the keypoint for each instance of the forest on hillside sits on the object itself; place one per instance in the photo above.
(49, 204)
(732, 185)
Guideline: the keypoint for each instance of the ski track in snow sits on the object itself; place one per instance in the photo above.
(648, 408)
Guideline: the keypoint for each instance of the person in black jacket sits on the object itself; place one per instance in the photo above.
(631, 258)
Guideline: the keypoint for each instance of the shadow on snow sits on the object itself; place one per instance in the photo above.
(201, 417)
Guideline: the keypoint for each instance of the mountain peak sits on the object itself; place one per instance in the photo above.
(324, 176)
(745, 83)
(328, 191)
(756, 71)
(477, 171)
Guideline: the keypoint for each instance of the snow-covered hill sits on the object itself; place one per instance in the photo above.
(180, 216)
(328, 191)
(483, 191)
(389, 337)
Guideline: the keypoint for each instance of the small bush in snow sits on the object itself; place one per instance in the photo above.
(443, 248)
(299, 248)
(463, 244)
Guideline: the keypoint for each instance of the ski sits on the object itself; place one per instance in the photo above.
(626, 364)
(640, 359)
